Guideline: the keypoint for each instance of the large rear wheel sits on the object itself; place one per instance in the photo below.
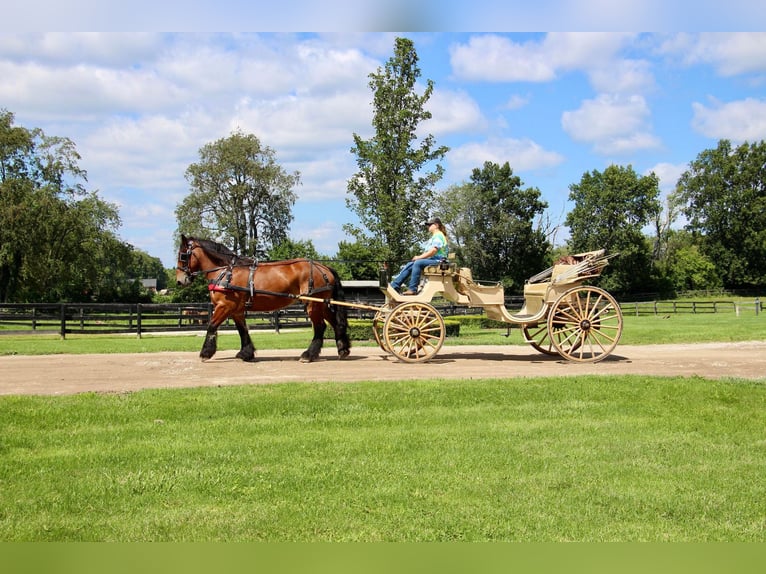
(413, 332)
(537, 336)
(585, 324)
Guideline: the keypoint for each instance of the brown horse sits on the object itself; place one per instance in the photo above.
(238, 284)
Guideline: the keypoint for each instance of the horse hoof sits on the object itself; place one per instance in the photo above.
(343, 354)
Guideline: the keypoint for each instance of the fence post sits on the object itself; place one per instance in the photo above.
(63, 321)
(138, 319)
(757, 305)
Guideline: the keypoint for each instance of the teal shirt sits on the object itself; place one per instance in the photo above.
(439, 241)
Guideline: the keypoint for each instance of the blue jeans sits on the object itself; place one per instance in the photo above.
(413, 269)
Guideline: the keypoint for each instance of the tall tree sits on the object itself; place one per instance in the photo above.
(724, 194)
(56, 239)
(493, 221)
(239, 196)
(611, 209)
(392, 191)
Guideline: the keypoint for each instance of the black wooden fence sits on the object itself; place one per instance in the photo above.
(108, 318)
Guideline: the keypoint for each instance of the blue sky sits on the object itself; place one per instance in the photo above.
(140, 105)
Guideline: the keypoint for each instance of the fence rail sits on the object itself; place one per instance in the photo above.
(682, 306)
(112, 318)
(69, 318)
(144, 318)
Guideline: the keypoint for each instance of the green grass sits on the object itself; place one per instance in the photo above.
(585, 459)
(647, 329)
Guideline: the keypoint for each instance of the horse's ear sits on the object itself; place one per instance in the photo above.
(183, 238)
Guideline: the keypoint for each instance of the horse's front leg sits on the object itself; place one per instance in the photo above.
(210, 345)
(246, 350)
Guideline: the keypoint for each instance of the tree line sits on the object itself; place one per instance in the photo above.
(58, 241)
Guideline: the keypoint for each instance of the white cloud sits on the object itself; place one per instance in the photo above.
(623, 77)
(494, 58)
(743, 120)
(668, 174)
(521, 154)
(499, 59)
(612, 124)
(730, 53)
(452, 112)
(516, 102)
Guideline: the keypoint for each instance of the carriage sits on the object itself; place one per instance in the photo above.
(562, 314)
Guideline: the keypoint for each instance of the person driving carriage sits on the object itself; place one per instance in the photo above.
(435, 250)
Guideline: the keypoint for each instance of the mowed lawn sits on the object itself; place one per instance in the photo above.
(548, 459)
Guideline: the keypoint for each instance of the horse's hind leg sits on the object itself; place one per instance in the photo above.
(336, 315)
(247, 350)
(315, 347)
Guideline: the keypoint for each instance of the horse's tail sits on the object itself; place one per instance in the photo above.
(341, 317)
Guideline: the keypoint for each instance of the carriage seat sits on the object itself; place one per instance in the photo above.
(445, 266)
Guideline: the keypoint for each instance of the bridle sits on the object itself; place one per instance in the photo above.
(184, 257)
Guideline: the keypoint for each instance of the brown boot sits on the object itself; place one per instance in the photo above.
(410, 292)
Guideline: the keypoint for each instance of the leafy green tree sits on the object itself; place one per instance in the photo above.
(724, 194)
(57, 241)
(611, 209)
(686, 267)
(239, 195)
(493, 223)
(359, 261)
(144, 266)
(392, 191)
(292, 249)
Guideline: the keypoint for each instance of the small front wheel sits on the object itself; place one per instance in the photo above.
(414, 332)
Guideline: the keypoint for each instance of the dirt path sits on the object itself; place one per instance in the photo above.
(66, 374)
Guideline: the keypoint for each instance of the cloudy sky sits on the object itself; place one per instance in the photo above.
(140, 105)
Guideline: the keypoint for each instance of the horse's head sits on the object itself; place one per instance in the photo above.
(187, 264)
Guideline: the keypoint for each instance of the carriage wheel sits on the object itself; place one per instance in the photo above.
(585, 324)
(414, 332)
(377, 328)
(537, 336)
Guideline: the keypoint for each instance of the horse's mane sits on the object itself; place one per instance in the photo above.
(216, 251)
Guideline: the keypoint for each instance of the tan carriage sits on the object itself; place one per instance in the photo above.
(561, 314)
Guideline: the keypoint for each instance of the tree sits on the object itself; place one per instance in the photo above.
(360, 261)
(291, 249)
(239, 195)
(611, 209)
(57, 241)
(685, 267)
(392, 191)
(724, 193)
(492, 224)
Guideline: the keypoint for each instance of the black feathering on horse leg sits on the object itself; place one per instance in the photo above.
(210, 345)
